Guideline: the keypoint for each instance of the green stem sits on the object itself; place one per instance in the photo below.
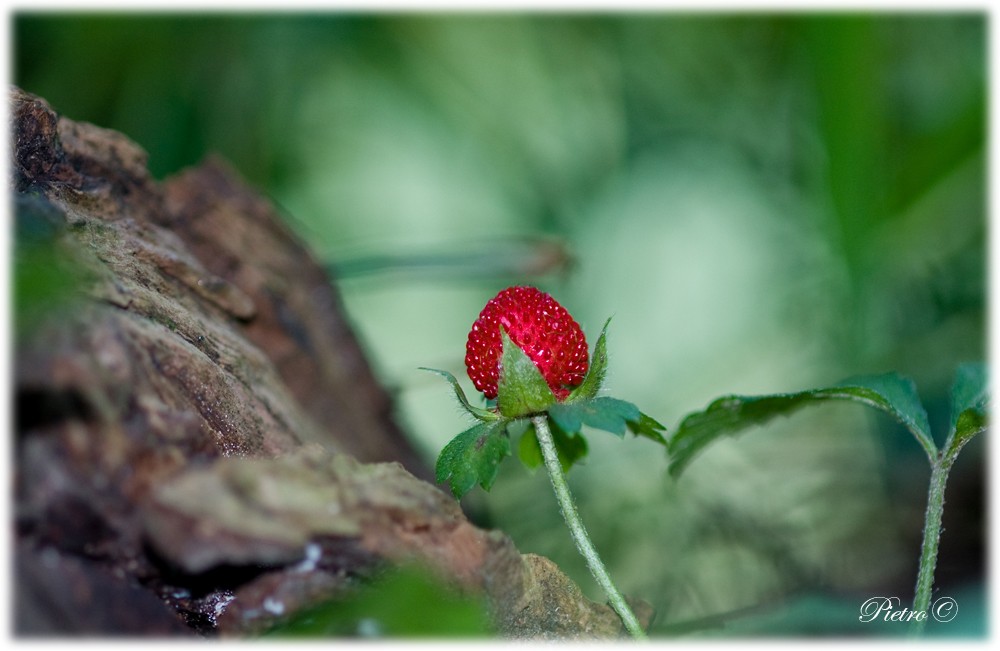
(579, 533)
(940, 468)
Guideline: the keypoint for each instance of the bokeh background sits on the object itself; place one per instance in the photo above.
(764, 202)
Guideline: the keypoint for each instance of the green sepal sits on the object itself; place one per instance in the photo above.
(484, 415)
(969, 397)
(522, 390)
(570, 447)
(594, 379)
(728, 415)
(473, 457)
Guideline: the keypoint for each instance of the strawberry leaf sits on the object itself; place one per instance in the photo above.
(482, 414)
(521, 390)
(570, 448)
(608, 414)
(729, 415)
(648, 427)
(528, 449)
(591, 384)
(473, 457)
(894, 394)
(568, 416)
(969, 397)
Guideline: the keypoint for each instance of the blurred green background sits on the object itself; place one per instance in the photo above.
(764, 202)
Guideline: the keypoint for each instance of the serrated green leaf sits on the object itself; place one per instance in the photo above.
(604, 413)
(594, 379)
(969, 397)
(482, 414)
(567, 415)
(473, 457)
(570, 447)
(521, 390)
(729, 415)
(648, 427)
(610, 414)
(894, 394)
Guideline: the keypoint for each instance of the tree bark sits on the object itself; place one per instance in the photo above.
(198, 433)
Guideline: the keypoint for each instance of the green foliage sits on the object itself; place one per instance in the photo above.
(608, 414)
(473, 457)
(46, 278)
(41, 284)
(570, 448)
(408, 602)
(969, 396)
(893, 394)
(890, 393)
(729, 415)
(648, 427)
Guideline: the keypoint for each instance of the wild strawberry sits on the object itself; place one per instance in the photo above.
(540, 327)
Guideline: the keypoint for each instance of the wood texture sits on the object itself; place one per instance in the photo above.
(197, 430)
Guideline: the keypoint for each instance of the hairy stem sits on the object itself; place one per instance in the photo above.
(940, 468)
(579, 533)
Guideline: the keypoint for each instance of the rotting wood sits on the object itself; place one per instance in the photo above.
(198, 419)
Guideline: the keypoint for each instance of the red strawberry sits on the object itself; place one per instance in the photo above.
(540, 327)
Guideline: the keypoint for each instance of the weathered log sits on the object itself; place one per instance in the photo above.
(197, 428)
